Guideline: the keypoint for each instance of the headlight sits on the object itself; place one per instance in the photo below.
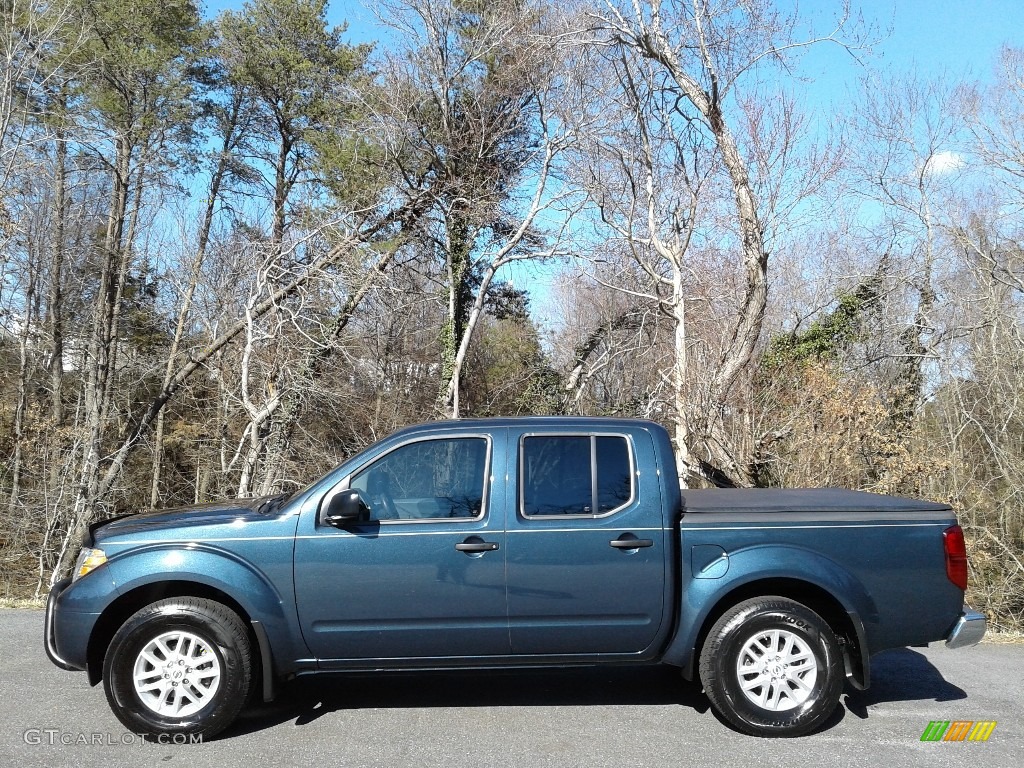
(88, 559)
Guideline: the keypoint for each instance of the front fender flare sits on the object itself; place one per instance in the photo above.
(210, 566)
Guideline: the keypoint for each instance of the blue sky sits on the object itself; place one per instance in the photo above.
(956, 38)
(959, 36)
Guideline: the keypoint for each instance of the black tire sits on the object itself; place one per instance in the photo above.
(793, 679)
(195, 631)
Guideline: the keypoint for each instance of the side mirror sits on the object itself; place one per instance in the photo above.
(345, 508)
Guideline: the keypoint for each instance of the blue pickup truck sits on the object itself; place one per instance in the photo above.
(505, 543)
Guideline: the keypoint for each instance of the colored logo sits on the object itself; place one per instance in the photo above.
(958, 730)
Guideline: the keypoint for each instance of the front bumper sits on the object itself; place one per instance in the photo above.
(49, 632)
(968, 630)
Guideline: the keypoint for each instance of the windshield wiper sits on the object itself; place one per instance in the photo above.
(273, 503)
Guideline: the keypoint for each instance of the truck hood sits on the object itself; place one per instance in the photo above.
(181, 518)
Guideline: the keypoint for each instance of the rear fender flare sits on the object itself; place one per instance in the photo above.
(703, 600)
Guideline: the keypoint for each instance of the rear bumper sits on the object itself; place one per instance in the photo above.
(968, 630)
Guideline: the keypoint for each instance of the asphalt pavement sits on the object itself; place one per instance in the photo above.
(591, 718)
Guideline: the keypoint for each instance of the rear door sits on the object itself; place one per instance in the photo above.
(586, 561)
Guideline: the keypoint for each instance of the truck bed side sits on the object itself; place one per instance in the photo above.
(876, 563)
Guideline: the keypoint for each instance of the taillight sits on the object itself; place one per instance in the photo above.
(956, 555)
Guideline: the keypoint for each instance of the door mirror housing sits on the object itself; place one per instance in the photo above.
(345, 508)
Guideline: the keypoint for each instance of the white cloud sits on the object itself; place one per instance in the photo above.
(943, 162)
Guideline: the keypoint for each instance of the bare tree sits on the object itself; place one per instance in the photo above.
(674, 72)
(39, 42)
(473, 88)
(910, 160)
(231, 121)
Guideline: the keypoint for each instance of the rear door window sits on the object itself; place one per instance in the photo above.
(578, 475)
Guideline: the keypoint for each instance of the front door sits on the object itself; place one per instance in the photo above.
(425, 577)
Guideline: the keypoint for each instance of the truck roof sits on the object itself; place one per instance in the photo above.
(568, 422)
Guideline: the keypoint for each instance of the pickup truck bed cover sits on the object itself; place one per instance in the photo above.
(818, 501)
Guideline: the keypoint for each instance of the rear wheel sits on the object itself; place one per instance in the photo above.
(772, 667)
(179, 666)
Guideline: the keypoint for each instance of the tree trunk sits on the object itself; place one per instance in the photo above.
(205, 227)
(458, 246)
(737, 355)
(100, 352)
(24, 376)
(681, 437)
(55, 299)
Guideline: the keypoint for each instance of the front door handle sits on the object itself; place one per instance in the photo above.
(629, 541)
(476, 544)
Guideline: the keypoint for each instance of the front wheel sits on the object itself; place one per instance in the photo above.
(772, 667)
(180, 666)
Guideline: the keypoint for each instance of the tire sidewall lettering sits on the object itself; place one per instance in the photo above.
(732, 634)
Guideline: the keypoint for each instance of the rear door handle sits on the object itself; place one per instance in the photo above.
(476, 544)
(629, 541)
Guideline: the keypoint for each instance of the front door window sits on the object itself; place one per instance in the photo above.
(427, 480)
